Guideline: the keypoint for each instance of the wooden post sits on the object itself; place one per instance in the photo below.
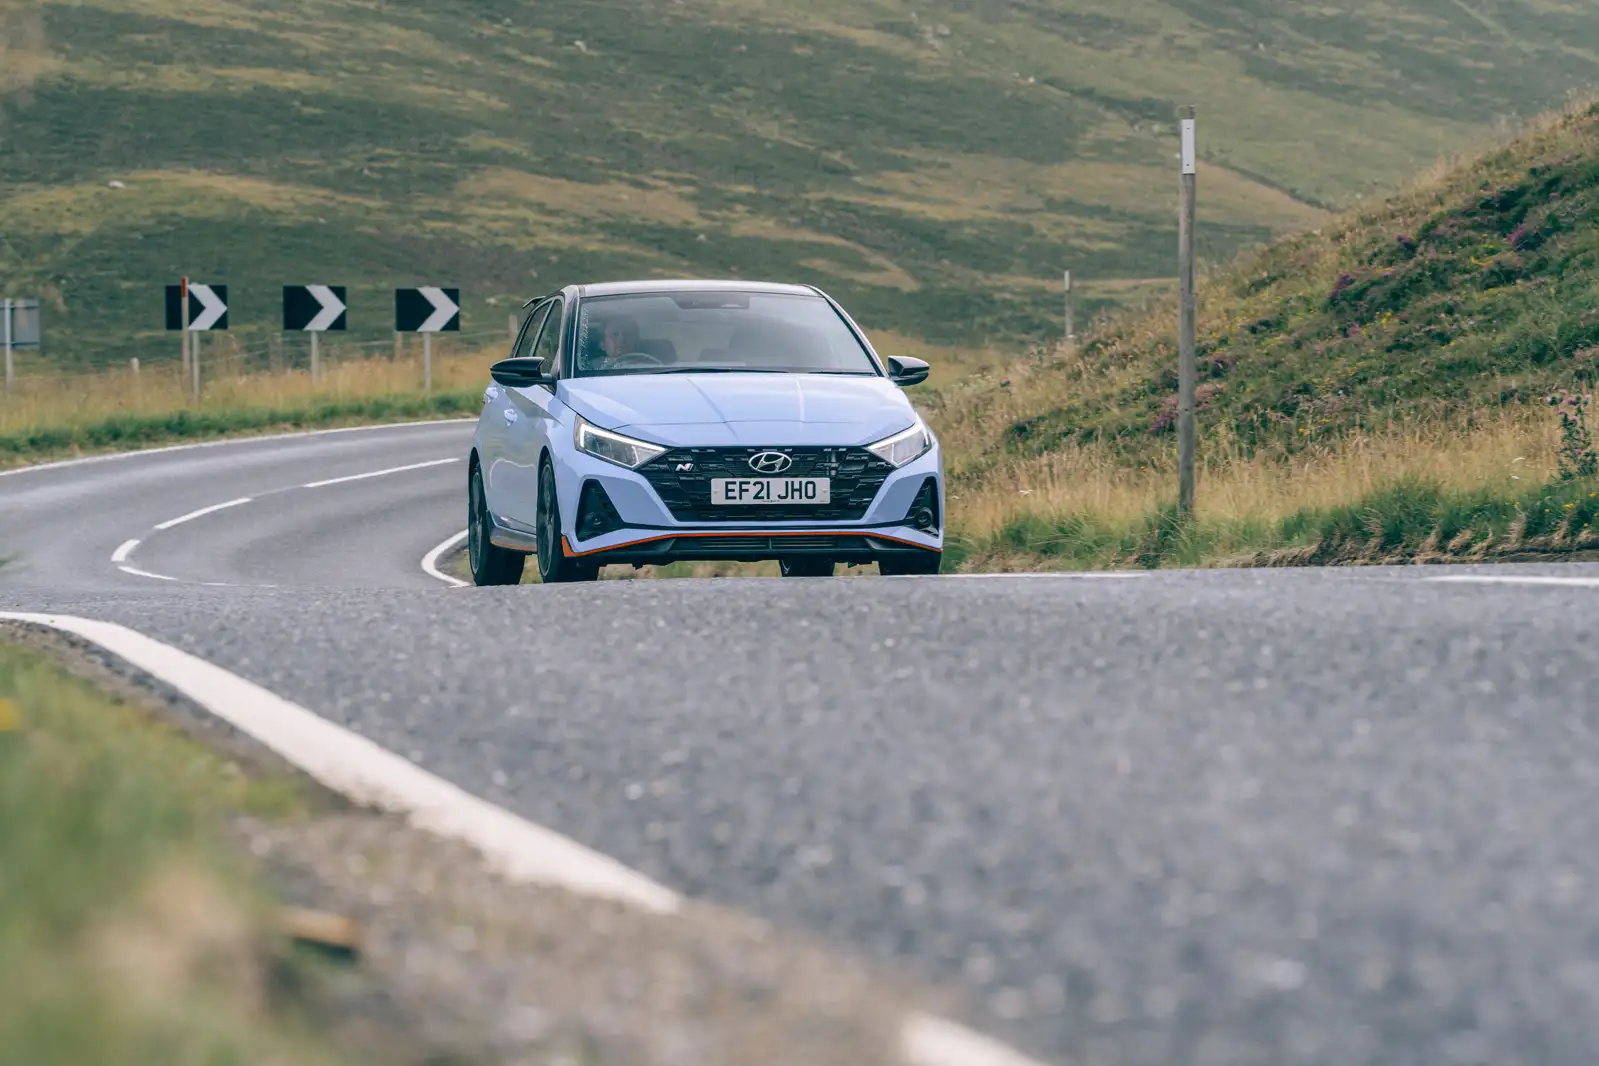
(183, 309)
(1185, 316)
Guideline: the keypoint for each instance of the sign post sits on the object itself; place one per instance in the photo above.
(1185, 316)
(8, 344)
(193, 308)
(314, 309)
(20, 331)
(1071, 332)
(183, 337)
(427, 310)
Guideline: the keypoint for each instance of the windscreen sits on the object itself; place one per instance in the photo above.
(715, 332)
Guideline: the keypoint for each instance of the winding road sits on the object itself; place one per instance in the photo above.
(1206, 817)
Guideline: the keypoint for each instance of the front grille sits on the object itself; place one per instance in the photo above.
(683, 478)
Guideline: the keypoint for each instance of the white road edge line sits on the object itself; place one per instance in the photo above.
(377, 473)
(930, 1041)
(202, 512)
(226, 441)
(1529, 579)
(124, 550)
(430, 561)
(372, 775)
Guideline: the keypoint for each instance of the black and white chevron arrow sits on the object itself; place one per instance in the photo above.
(427, 310)
(314, 308)
(208, 307)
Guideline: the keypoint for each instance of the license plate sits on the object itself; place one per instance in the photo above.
(796, 490)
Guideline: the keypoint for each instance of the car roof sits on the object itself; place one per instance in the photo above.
(617, 288)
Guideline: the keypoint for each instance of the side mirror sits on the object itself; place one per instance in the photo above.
(519, 371)
(904, 370)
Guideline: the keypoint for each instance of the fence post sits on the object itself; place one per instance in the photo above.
(1185, 316)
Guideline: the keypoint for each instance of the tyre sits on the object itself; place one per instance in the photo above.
(917, 563)
(806, 566)
(554, 566)
(491, 564)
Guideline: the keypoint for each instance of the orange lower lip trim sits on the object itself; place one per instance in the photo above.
(566, 545)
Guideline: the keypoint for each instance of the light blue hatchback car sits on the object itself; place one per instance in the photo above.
(655, 421)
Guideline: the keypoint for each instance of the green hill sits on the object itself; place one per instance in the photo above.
(934, 165)
(1374, 389)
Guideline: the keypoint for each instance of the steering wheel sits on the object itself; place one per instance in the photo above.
(633, 360)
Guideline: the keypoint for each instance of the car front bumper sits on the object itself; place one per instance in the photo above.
(649, 533)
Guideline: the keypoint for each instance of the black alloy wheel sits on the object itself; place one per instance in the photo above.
(910, 563)
(806, 566)
(554, 566)
(491, 564)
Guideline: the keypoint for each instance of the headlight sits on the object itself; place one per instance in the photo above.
(613, 447)
(904, 446)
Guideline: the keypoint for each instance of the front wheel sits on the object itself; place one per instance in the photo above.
(910, 563)
(806, 566)
(491, 564)
(554, 566)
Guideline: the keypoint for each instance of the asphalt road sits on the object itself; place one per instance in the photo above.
(1192, 817)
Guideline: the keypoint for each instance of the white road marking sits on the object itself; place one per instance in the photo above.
(202, 512)
(370, 775)
(515, 848)
(378, 473)
(114, 456)
(136, 572)
(1528, 579)
(929, 1041)
(122, 553)
(430, 561)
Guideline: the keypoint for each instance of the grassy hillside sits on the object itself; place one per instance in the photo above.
(1379, 381)
(936, 165)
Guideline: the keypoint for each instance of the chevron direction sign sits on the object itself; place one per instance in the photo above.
(314, 308)
(208, 307)
(427, 310)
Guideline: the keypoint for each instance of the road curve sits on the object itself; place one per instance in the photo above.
(1189, 817)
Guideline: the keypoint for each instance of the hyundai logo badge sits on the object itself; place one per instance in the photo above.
(770, 462)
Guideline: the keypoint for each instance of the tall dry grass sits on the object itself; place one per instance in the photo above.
(1015, 511)
(231, 381)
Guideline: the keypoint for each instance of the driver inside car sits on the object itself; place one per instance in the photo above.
(618, 338)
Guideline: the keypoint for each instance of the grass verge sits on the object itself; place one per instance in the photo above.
(49, 416)
(127, 934)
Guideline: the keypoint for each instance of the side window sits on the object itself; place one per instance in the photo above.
(549, 343)
(530, 331)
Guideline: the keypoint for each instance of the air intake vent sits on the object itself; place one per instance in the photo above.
(596, 514)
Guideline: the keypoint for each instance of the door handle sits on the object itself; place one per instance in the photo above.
(510, 416)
